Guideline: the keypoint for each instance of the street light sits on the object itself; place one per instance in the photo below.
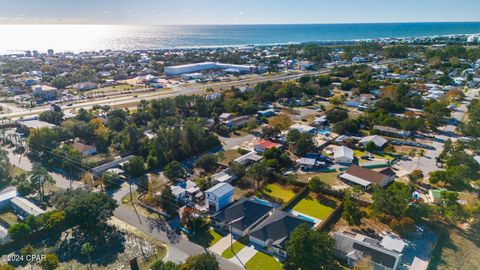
(231, 238)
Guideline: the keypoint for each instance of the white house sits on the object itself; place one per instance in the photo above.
(379, 141)
(343, 155)
(219, 196)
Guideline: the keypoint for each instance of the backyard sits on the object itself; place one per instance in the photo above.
(329, 178)
(277, 193)
(9, 218)
(319, 207)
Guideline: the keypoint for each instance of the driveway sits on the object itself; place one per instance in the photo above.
(222, 245)
(244, 255)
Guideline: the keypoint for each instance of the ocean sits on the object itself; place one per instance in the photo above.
(76, 38)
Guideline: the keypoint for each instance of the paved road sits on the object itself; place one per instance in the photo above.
(428, 162)
(179, 248)
(176, 91)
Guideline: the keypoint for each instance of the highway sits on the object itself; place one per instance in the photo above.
(187, 89)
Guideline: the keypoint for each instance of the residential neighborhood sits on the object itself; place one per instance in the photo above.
(350, 156)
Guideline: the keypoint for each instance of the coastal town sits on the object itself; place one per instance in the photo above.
(357, 155)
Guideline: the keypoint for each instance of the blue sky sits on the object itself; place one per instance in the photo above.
(235, 12)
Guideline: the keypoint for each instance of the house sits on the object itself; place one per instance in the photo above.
(224, 176)
(24, 207)
(379, 141)
(364, 177)
(248, 158)
(240, 217)
(6, 195)
(303, 128)
(343, 155)
(185, 190)
(85, 86)
(237, 122)
(224, 117)
(353, 247)
(219, 196)
(266, 113)
(97, 171)
(390, 131)
(264, 145)
(44, 91)
(26, 125)
(273, 233)
(85, 149)
(307, 164)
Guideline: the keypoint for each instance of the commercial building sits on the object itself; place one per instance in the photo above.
(197, 67)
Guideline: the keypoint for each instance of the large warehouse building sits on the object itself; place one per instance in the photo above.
(190, 68)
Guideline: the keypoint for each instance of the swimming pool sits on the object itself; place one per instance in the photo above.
(324, 132)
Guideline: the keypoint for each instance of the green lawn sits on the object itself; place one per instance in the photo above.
(263, 261)
(312, 207)
(237, 246)
(329, 178)
(9, 217)
(359, 153)
(278, 192)
(215, 237)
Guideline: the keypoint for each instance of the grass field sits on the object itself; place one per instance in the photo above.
(329, 178)
(262, 261)
(278, 192)
(228, 156)
(312, 207)
(9, 217)
(359, 153)
(237, 246)
(458, 249)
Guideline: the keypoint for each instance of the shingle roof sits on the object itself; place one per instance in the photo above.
(366, 174)
(248, 210)
(363, 246)
(278, 227)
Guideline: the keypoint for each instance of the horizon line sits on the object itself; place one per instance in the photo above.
(231, 24)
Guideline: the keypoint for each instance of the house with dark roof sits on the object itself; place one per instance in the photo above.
(240, 217)
(365, 178)
(353, 247)
(273, 233)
